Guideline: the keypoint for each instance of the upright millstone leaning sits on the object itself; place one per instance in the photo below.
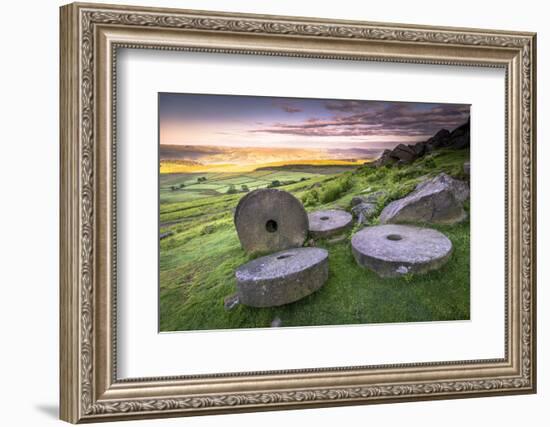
(275, 222)
(270, 220)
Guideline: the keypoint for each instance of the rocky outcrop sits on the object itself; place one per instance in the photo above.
(458, 139)
(438, 200)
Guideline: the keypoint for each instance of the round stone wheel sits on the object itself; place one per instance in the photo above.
(282, 277)
(329, 223)
(269, 220)
(394, 250)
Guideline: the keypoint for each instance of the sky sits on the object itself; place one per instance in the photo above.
(256, 121)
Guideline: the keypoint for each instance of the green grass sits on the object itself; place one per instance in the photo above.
(217, 184)
(197, 263)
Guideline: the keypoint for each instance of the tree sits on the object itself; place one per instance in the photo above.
(231, 189)
(275, 183)
(245, 188)
(182, 185)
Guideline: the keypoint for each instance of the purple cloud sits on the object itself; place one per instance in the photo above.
(364, 118)
(287, 107)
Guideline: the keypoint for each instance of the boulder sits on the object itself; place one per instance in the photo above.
(403, 153)
(384, 159)
(358, 200)
(460, 137)
(438, 200)
(419, 148)
(269, 220)
(395, 250)
(282, 277)
(364, 211)
(440, 139)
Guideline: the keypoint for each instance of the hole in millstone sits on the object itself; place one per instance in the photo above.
(283, 256)
(393, 237)
(271, 226)
(324, 218)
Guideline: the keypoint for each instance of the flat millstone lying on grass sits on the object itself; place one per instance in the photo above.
(395, 250)
(282, 277)
(270, 220)
(329, 223)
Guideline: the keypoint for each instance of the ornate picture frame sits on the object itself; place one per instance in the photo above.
(90, 37)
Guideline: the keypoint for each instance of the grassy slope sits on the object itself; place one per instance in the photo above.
(218, 183)
(197, 264)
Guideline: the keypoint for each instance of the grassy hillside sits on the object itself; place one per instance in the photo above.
(180, 187)
(197, 263)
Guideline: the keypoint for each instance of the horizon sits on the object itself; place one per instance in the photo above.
(253, 122)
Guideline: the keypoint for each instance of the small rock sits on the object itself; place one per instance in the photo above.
(363, 212)
(337, 239)
(166, 234)
(231, 301)
(276, 323)
(357, 200)
(402, 270)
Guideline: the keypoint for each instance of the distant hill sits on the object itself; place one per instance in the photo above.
(207, 154)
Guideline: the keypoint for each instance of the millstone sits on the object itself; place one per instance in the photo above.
(394, 250)
(270, 220)
(332, 222)
(282, 277)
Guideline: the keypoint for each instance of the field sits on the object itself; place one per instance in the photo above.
(198, 260)
(200, 185)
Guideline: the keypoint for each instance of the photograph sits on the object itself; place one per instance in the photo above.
(261, 211)
(300, 212)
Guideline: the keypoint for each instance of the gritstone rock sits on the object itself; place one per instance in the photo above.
(269, 220)
(437, 200)
(329, 223)
(282, 277)
(395, 250)
(364, 211)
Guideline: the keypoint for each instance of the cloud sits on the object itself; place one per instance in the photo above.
(364, 118)
(290, 109)
(287, 107)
